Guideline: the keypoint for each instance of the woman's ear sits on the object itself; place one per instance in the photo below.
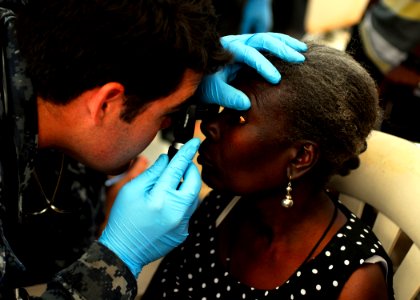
(306, 156)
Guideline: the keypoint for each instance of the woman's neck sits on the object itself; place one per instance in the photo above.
(266, 210)
(259, 234)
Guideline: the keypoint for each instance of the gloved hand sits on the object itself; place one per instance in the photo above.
(257, 16)
(150, 215)
(215, 88)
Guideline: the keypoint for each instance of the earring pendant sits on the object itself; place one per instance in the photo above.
(287, 202)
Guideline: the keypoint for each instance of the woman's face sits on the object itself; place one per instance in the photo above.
(244, 151)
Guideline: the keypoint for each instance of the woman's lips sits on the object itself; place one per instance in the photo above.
(202, 160)
(203, 157)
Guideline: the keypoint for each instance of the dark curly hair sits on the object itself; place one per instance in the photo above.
(74, 45)
(330, 100)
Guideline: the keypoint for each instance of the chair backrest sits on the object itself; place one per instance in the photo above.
(388, 180)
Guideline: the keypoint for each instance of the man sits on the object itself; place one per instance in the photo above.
(96, 80)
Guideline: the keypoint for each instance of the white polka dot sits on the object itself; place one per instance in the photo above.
(335, 283)
(210, 227)
(362, 261)
(362, 236)
(365, 230)
(163, 280)
(212, 239)
(200, 270)
(292, 297)
(352, 220)
(216, 280)
(218, 295)
(226, 274)
(379, 242)
(298, 273)
(198, 234)
(358, 242)
(197, 244)
(318, 287)
(342, 248)
(208, 216)
(340, 235)
(315, 271)
(244, 296)
(218, 196)
(204, 298)
(266, 293)
(303, 292)
(212, 265)
(327, 253)
(376, 246)
(372, 250)
(190, 276)
(196, 222)
(197, 255)
(176, 290)
(217, 207)
(228, 288)
(346, 262)
(348, 227)
(190, 289)
(287, 281)
(330, 267)
(203, 285)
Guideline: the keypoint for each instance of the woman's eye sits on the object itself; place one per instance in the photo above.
(234, 116)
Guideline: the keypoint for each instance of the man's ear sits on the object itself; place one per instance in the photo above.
(108, 99)
(306, 156)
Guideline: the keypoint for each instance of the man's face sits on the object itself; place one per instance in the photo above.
(124, 141)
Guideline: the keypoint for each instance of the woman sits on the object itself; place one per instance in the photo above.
(286, 237)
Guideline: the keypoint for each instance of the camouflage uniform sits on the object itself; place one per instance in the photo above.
(98, 274)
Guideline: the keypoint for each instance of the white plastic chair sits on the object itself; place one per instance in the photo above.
(388, 179)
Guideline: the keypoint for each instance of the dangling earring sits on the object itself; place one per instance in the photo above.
(287, 202)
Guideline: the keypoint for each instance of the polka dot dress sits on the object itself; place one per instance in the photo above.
(192, 271)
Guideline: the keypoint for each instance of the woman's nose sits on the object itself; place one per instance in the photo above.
(210, 127)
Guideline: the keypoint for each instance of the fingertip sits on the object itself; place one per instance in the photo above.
(298, 45)
(195, 141)
(299, 57)
(192, 146)
(238, 101)
(273, 77)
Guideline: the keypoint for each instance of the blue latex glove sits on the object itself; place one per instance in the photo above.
(150, 215)
(214, 88)
(257, 16)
